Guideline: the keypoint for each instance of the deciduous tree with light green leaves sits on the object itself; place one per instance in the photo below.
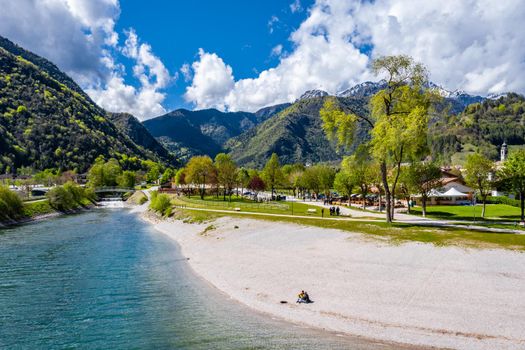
(398, 119)
(226, 173)
(480, 175)
(513, 174)
(272, 174)
(200, 171)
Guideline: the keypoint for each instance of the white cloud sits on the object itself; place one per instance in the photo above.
(212, 81)
(277, 50)
(475, 45)
(272, 22)
(186, 72)
(143, 102)
(79, 36)
(323, 59)
(296, 6)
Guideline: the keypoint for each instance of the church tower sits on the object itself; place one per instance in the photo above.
(504, 151)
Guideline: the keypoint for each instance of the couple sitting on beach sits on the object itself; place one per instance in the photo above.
(303, 297)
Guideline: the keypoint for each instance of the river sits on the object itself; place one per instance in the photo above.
(106, 280)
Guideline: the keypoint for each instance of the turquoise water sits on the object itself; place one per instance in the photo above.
(106, 280)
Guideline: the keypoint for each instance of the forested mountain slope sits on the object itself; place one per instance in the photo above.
(189, 133)
(46, 121)
(295, 134)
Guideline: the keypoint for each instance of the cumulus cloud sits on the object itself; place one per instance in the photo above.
(323, 58)
(475, 45)
(212, 81)
(70, 33)
(79, 36)
(145, 101)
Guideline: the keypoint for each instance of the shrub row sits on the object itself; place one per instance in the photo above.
(501, 200)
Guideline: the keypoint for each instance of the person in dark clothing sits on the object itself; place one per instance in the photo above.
(337, 211)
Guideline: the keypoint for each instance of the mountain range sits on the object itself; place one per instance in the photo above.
(47, 120)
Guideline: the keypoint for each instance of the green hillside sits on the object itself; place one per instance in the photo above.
(46, 121)
(295, 134)
(188, 133)
(481, 127)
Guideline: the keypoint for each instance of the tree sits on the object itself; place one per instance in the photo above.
(226, 173)
(422, 178)
(513, 174)
(479, 174)
(343, 183)
(126, 179)
(104, 173)
(398, 121)
(180, 178)
(256, 184)
(243, 179)
(325, 177)
(200, 171)
(168, 175)
(272, 174)
(318, 178)
(153, 170)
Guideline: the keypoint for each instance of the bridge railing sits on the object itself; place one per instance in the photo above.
(114, 189)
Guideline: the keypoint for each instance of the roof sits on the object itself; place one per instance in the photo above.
(452, 192)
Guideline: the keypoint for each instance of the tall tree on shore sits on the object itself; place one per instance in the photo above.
(479, 174)
(200, 171)
(226, 173)
(398, 120)
(513, 174)
(272, 174)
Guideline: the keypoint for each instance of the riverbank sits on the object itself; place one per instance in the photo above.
(411, 293)
(43, 214)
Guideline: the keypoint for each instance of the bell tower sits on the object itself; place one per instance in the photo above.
(504, 151)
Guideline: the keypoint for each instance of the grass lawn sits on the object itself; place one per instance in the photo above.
(247, 205)
(494, 212)
(394, 233)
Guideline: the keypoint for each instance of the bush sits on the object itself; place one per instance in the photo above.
(500, 200)
(11, 206)
(160, 203)
(61, 199)
(69, 197)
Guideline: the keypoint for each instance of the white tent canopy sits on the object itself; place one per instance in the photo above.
(452, 192)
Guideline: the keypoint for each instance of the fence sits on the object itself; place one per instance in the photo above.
(231, 205)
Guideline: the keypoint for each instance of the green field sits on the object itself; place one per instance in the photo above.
(494, 212)
(247, 205)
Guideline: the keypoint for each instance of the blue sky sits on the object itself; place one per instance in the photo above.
(150, 57)
(238, 31)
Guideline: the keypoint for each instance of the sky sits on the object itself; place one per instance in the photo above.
(150, 57)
